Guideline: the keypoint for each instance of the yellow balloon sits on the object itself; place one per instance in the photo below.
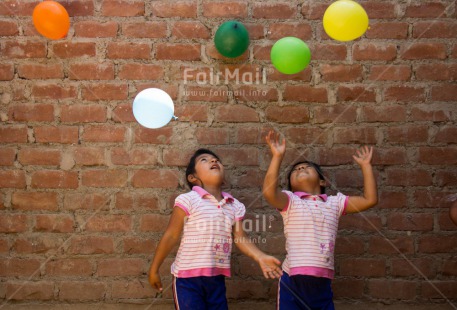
(345, 20)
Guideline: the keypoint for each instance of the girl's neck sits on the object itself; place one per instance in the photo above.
(214, 190)
(310, 190)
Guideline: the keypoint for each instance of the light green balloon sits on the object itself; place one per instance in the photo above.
(290, 55)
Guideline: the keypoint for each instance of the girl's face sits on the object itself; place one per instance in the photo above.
(304, 175)
(208, 169)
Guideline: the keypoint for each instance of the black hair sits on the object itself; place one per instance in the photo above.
(191, 166)
(310, 163)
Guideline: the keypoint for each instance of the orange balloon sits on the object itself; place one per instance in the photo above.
(51, 20)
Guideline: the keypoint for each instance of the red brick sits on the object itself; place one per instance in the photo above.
(445, 178)
(434, 30)
(437, 244)
(348, 288)
(336, 156)
(54, 91)
(314, 10)
(360, 222)
(256, 94)
(438, 155)
(407, 134)
(135, 156)
(19, 267)
(225, 9)
(328, 51)
(4, 246)
(383, 114)
(83, 114)
(391, 245)
(334, 114)
(387, 30)
(138, 246)
(410, 222)
(370, 51)
(408, 177)
(412, 267)
(366, 135)
(256, 31)
(134, 71)
(79, 7)
(95, 92)
(341, 73)
(13, 223)
(404, 94)
(32, 113)
(6, 72)
(190, 30)
(55, 179)
(153, 222)
(444, 92)
(40, 71)
(86, 245)
(145, 30)
(213, 53)
(349, 245)
(8, 28)
(305, 94)
(306, 135)
(120, 267)
(175, 157)
(128, 50)
(93, 29)
(91, 71)
(123, 113)
(430, 113)
(74, 49)
(192, 113)
(82, 290)
(7, 157)
(244, 74)
(423, 51)
(89, 156)
(233, 156)
(393, 289)
(186, 9)
(281, 30)
(104, 133)
(34, 201)
(274, 75)
(132, 290)
(390, 156)
(105, 178)
(27, 290)
(127, 201)
(449, 268)
(356, 93)
(68, 267)
(368, 267)
(262, 52)
(26, 49)
(236, 114)
(287, 114)
(122, 8)
(155, 179)
(53, 134)
(215, 136)
(12, 179)
(437, 72)
(432, 199)
(425, 10)
(108, 223)
(390, 73)
(38, 244)
(379, 10)
(446, 135)
(189, 52)
(273, 11)
(438, 289)
(61, 223)
(156, 136)
(86, 201)
(33, 156)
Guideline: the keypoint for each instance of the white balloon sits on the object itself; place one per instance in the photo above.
(153, 108)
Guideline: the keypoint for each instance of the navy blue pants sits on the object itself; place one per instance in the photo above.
(200, 293)
(304, 292)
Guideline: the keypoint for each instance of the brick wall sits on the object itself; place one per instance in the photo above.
(85, 192)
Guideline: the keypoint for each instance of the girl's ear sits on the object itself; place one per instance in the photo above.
(323, 183)
(191, 178)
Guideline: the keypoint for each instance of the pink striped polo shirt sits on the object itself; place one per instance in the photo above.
(206, 243)
(310, 227)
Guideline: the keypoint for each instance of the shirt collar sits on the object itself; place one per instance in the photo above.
(303, 195)
(202, 192)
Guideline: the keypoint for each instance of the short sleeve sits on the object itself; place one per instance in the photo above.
(290, 197)
(183, 201)
(240, 211)
(340, 201)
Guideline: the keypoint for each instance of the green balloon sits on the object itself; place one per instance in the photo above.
(290, 55)
(231, 39)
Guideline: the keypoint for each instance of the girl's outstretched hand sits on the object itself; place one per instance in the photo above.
(364, 155)
(277, 147)
(271, 267)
